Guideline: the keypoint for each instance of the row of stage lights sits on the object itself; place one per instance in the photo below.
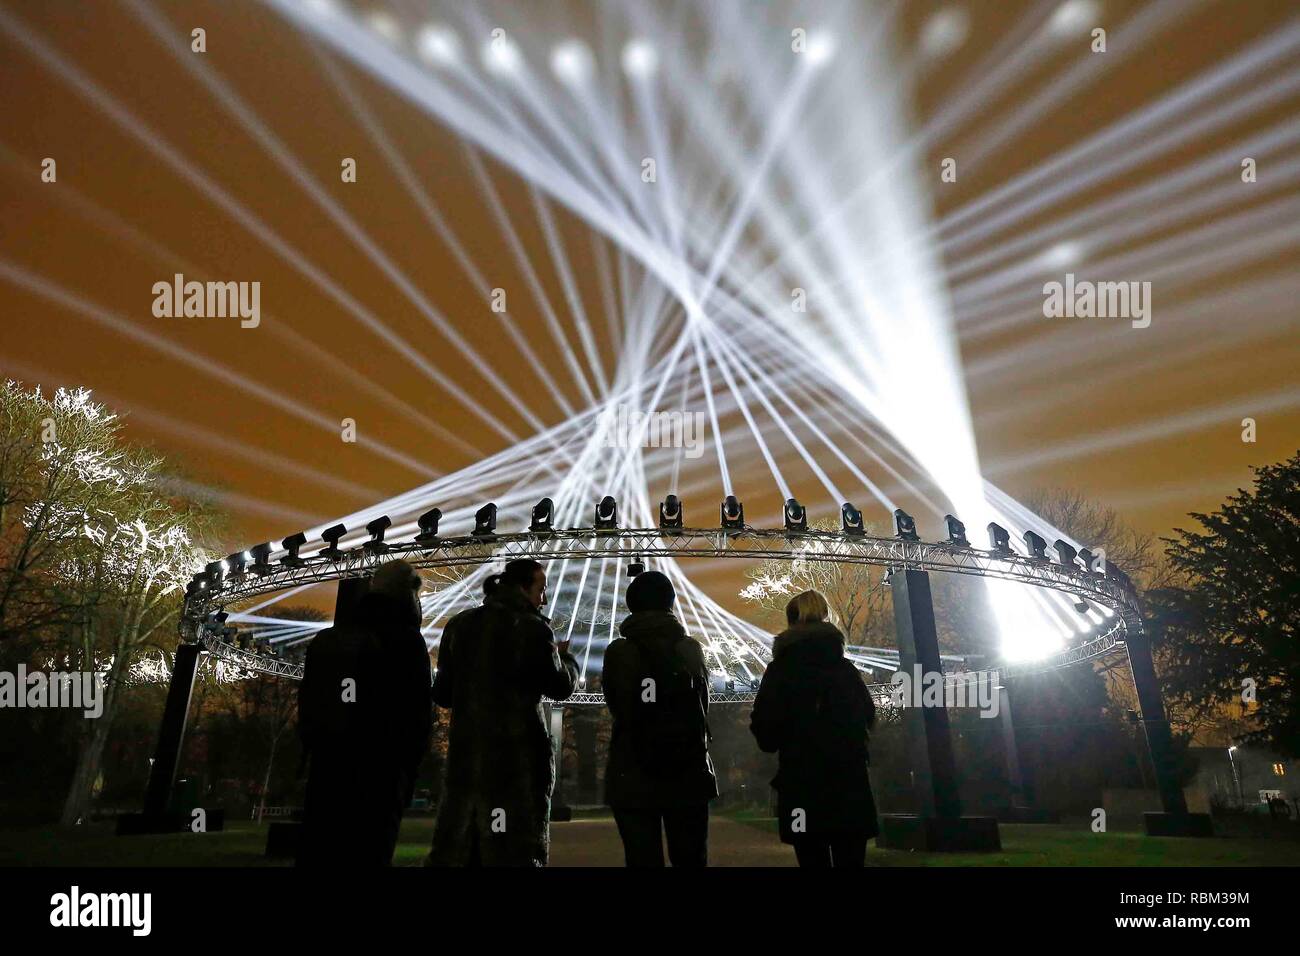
(244, 641)
(257, 560)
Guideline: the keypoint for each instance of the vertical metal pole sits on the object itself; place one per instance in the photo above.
(1015, 776)
(1154, 724)
(928, 733)
(555, 722)
(171, 731)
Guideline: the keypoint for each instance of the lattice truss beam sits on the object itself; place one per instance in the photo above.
(779, 179)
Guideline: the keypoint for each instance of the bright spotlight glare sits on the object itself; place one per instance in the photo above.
(1074, 17)
(571, 62)
(438, 44)
(324, 8)
(945, 31)
(1025, 632)
(1063, 255)
(821, 47)
(384, 24)
(501, 56)
(639, 58)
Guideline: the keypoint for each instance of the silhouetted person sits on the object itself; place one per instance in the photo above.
(659, 779)
(364, 717)
(814, 711)
(495, 664)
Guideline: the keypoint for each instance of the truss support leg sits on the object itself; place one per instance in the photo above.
(155, 817)
(1174, 820)
(939, 826)
(554, 714)
(1022, 809)
(1020, 797)
(171, 731)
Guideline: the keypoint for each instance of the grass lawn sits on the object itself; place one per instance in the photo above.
(592, 840)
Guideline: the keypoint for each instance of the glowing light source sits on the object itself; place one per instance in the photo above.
(571, 62)
(385, 25)
(1074, 17)
(945, 31)
(324, 8)
(438, 44)
(639, 58)
(821, 47)
(235, 563)
(1063, 255)
(501, 56)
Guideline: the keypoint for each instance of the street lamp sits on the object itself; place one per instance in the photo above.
(1236, 777)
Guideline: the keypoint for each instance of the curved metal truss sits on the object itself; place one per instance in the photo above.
(1110, 589)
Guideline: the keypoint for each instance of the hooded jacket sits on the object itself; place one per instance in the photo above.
(364, 740)
(649, 637)
(813, 710)
(495, 664)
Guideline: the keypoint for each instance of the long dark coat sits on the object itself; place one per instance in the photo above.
(814, 711)
(627, 785)
(495, 665)
(363, 744)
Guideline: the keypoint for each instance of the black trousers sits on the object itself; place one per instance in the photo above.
(643, 830)
(351, 816)
(847, 850)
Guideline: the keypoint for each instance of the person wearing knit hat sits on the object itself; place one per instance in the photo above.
(659, 779)
(650, 591)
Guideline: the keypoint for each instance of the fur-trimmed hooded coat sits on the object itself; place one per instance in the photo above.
(495, 664)
(813, 711)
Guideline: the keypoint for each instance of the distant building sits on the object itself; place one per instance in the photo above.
(1245, 777)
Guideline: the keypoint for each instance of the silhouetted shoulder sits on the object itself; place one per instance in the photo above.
(691, 651)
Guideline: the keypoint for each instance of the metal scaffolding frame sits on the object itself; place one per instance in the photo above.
(1109, 588)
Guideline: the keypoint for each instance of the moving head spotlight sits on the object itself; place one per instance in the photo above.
(851, 519)
(733, 514)
(331, 536)
(670, 513)
(796, 516)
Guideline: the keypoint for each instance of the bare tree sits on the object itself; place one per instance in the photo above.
(58, 458)
(856, 593)
(1134, 552)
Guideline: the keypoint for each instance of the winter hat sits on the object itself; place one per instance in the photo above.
(650, 591)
